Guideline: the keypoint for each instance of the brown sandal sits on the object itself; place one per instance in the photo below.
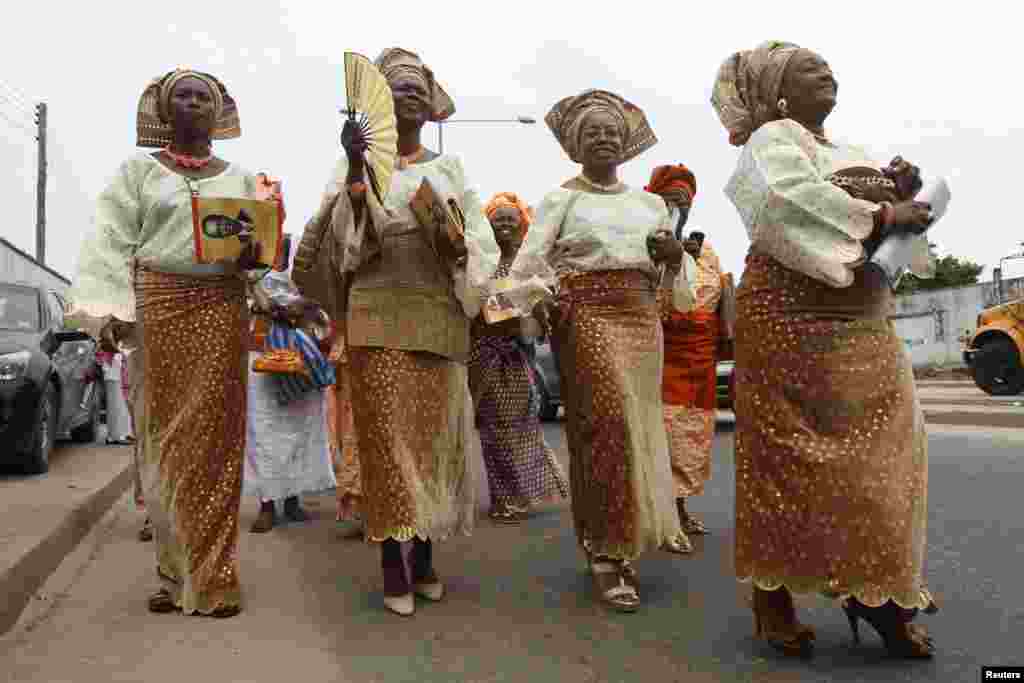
(266, 519)
(775, 621)
(225, 612)
(689, 523)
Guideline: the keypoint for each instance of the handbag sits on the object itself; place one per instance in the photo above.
(280, 362)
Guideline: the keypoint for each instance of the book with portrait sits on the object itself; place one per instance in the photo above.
(223, 226)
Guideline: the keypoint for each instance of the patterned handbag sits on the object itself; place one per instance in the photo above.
(281, 362)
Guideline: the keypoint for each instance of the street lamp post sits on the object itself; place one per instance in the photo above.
(525, 120)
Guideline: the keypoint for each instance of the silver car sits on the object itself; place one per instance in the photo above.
(545, 367)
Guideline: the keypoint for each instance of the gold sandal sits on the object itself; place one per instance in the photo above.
(693, 525)
(505, 515)
(680, 544)
(616, 585)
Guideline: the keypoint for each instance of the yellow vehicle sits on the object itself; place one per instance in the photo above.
(995, 350)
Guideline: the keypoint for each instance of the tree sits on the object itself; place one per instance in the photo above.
(950, 271)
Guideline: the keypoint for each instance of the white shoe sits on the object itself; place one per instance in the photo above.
(402, 605)
(432, 591)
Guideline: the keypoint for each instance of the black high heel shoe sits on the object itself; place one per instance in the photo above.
(893, 623)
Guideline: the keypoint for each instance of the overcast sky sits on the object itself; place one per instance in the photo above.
(935, 85)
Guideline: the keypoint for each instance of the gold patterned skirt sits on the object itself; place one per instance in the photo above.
(192, 436)
(609, 345)
(413, 418)
(831, 449)
(344, 443)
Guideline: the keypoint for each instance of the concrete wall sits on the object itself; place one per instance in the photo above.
(17, 266)
(931, 323)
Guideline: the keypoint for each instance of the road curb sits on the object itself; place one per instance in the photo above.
(20, 581)
(973, 419)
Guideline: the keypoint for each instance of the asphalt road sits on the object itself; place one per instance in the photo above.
(520, 606)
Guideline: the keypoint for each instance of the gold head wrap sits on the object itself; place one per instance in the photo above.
(510, 200)
(748, 86)
(566, 120)
(394, 61)
(153, 122)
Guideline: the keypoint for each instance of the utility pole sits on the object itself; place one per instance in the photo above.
(41, 183)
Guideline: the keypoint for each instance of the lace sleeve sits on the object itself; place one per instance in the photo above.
(792, 213)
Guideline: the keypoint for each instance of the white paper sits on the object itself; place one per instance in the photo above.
(895, 253)
(937, 194)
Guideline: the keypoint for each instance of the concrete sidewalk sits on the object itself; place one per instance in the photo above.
(46, 516)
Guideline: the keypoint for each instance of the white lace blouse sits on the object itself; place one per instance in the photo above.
(796, 216)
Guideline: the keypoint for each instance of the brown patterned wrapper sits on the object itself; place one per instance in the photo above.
(831, 449)
(609, 345)
(195, 336)
(410, 418)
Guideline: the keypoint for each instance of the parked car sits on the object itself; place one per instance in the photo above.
(994, 351)
(49, 379)
(545, 367)
(725, 384)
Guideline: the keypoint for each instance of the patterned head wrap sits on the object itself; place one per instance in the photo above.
(153, 126)
(566, 120)
(510, 200)
(394, 61)
(667, 178)
(748, 86)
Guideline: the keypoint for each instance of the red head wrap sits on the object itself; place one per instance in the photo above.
(667, 178)
(510, 199)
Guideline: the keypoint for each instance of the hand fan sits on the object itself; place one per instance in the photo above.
(371, 106)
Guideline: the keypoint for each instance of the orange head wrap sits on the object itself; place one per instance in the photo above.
(510, 199)
(667, 178)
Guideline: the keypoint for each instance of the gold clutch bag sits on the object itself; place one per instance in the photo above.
(280, 362)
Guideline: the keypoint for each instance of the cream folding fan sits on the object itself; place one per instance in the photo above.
(371, 106)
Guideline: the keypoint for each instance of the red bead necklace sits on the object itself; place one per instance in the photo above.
(187, 160)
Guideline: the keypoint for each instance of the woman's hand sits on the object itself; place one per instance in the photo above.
(546, 315)
(512, 327)
(452, 252)
(912, 217)
(114, 332)
(249, 259)
(678, 198)
(353, 141)
(906, 176)
(663, 247)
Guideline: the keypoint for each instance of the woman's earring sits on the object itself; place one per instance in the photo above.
(783, 106)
